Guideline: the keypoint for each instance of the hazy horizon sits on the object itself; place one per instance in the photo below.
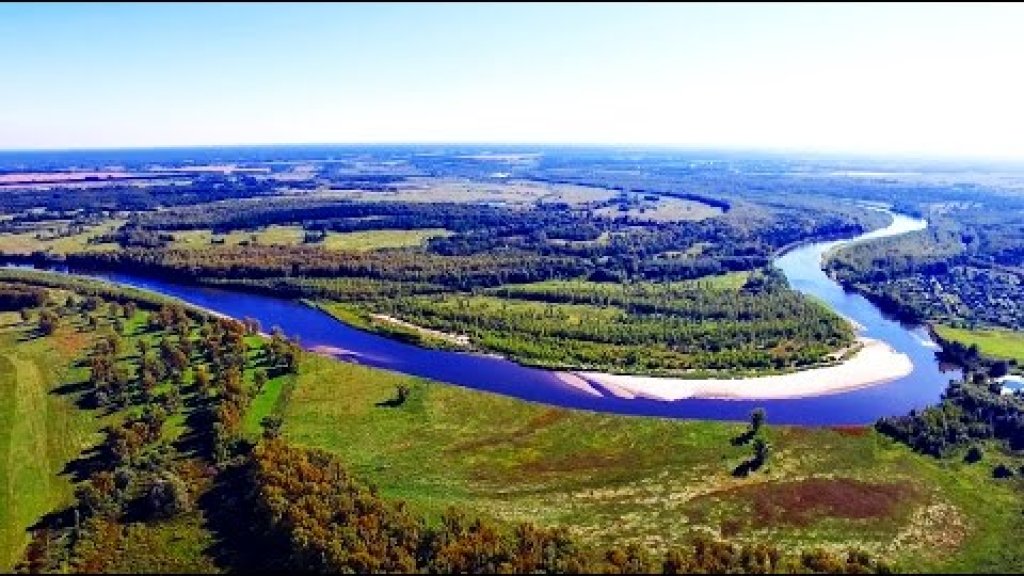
(921, 82)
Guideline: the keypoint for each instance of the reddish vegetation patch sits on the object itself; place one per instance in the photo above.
(855, 431)
(543, 420)
(803, 502)
(547, 418)
(69, 342)
(578, 462)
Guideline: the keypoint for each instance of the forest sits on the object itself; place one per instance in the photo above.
(650, 327)
(964, 270)
(475, 276)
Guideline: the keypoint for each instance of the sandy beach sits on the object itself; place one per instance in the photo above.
(876, 363)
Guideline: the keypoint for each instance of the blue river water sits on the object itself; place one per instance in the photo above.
(802, 267)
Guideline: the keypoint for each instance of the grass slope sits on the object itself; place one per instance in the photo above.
(40, 429)
(655, 481)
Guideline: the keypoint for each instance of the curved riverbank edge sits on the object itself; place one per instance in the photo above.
(876, 363)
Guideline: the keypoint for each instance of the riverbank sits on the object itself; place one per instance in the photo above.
(875, 363)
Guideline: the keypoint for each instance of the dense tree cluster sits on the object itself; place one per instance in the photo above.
(125, 196)
(185, 367)
(968, 412)
(15, 296)
(965, 269)
(646, 326)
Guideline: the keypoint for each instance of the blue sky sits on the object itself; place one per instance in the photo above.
(923, 79)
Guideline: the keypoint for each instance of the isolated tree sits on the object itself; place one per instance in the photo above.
(1002, 471)
(48, 322)
(114, 342)
(402, 393)
(202, 377)
(757, 419)
(259, 380)
(271, 426)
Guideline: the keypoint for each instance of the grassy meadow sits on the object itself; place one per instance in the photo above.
(654, 481)
(1006, 344)
(276, 235)
(54, 238)
(41, 428)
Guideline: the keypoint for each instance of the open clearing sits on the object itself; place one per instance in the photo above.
(293, 236)
(54, 237)
(512, 193)
(1000, 343)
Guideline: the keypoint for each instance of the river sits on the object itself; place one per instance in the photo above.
(801, 266)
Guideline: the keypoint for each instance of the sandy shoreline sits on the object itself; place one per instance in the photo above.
(876, 363)
(458, 339)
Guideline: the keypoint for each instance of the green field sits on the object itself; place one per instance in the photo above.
(40, 428)
(51, 239)
(375, 239)
(999, 343)
(293, 236)
(271, 235)
(653, 481)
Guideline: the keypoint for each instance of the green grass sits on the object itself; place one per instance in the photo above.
(731, 281)
(271, 235)
(375, 239)
(293, 236)
(26, 242)
(655, 481)
(40, 430)
(999, 343)
(265, 403)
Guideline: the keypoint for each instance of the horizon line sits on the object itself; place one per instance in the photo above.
(782, 151)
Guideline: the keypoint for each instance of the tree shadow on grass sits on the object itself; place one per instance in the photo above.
(91, 460)
(743, 438)
(71, 388)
